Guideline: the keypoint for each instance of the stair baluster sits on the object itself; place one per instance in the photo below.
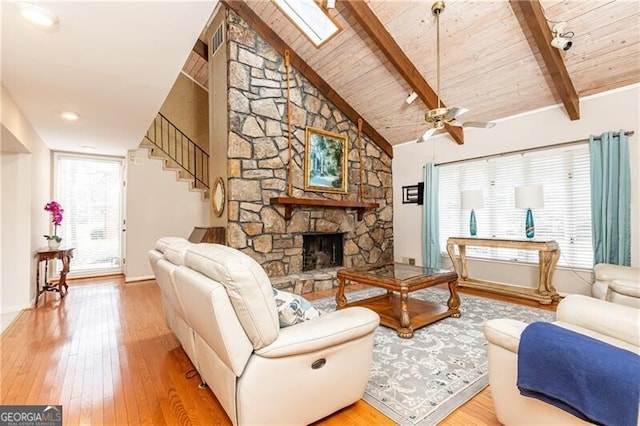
(197, 170)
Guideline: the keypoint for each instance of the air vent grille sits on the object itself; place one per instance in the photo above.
(217, 39)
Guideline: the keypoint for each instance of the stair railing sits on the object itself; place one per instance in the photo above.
(181, 149)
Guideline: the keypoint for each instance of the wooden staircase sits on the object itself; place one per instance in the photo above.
(164, 141)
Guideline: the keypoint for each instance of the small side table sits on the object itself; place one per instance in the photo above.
(45, 255)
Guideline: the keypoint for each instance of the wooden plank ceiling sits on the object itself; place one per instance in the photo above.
(197, 66)
(487, 63)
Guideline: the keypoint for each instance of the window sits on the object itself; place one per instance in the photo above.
(310, 18)
(90, 192)
(564, 174)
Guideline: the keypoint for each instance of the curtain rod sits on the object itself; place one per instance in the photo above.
(520, 151)
(629, 133)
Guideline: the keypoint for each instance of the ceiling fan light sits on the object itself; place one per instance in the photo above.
(435, 114)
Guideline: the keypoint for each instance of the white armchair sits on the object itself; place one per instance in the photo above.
(615, 324)
(617, 284)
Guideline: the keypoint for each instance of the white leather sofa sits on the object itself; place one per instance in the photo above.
(617, 284)
(615, 324)
(219, 303)
(168, 254)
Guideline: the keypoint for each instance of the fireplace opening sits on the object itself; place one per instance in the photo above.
(321, 251)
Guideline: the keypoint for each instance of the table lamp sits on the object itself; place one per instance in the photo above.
(529, 197)
(472, 199)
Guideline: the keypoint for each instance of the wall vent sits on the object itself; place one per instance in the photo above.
(217, 39)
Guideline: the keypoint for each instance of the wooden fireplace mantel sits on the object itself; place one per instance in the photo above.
(290, 203)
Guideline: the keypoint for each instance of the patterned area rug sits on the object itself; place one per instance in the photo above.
(420, 381)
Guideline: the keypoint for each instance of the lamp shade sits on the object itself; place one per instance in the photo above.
(529, 196)
(472, 199)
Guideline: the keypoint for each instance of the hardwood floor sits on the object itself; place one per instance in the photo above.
(105, 354)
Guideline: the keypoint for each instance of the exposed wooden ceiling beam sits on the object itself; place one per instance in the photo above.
(201, 48)
(386, 43)
(535, 27)
(244, 11)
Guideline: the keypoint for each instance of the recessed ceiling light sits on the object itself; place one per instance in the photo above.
(37, 15)
(69, 115)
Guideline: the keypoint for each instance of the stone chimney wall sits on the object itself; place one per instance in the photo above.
(258, 158)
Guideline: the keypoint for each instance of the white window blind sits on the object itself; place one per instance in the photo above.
(89, 189)
(566, 216)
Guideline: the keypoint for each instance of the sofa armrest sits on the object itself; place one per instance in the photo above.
(610, 319)
(608, 272)
(504, 332)
(328, 330)
(626, 287)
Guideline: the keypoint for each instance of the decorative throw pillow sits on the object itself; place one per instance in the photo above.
(293, 309)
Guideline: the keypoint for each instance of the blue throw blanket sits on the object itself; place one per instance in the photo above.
(588, 378)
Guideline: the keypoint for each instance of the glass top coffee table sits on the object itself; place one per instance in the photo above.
(396, 309)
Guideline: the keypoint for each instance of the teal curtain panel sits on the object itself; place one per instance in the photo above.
(611, 198)
(430, 218)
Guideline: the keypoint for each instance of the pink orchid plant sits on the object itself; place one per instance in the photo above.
(56, 218)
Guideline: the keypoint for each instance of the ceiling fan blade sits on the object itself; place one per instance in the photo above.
(454, 112)
(426, 135)
(480, 124)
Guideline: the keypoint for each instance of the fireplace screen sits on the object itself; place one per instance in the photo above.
(321, 251)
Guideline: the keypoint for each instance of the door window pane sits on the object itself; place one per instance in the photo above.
(90, 192)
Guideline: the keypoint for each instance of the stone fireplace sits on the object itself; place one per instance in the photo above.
(321, 251)
(257, 170)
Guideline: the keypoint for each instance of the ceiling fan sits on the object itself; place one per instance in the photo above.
(440, 116)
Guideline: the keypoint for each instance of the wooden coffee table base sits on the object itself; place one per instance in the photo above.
(418, 314)
(396, 309)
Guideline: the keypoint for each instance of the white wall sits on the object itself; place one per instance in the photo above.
(25, 188)
(606, 112)
(16, 213)
(157, 205)
(218, 122)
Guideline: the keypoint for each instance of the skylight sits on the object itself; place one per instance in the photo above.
(310, 18)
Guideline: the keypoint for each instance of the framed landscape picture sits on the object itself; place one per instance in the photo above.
(325, 161)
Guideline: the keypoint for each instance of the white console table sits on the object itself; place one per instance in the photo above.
(548, 255)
